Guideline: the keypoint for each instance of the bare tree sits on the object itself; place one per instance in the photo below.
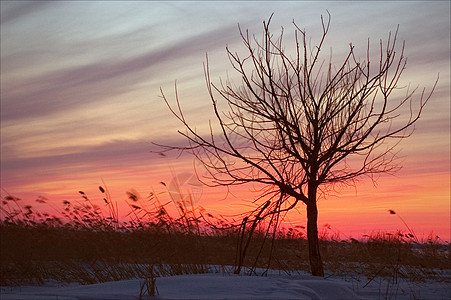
(299, 123)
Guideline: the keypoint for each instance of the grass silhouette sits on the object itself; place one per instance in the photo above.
(85, 244)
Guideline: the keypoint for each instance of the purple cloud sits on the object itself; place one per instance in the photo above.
(66, 88)
(13, 10)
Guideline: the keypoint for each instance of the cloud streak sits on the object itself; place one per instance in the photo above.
(16, 10)
(66, 88)
(108, 154)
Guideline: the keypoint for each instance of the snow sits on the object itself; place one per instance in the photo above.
(211, 286)
(230, 286)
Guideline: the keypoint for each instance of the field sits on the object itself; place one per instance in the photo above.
(85, 245)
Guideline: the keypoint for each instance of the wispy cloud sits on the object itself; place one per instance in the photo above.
(108, 154)
(65, 88)
(14, 10)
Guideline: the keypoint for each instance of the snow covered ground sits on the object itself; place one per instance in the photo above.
(229, 286)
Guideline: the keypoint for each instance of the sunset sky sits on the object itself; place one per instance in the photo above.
(80, 99)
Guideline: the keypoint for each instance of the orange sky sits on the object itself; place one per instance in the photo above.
(80, 99)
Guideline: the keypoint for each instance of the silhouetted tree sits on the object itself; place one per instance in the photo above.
(297, 123)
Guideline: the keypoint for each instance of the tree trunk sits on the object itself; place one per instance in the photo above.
(316, 264)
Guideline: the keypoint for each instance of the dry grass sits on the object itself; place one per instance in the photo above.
(91, 246)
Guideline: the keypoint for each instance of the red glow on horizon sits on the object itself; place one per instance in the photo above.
(350, 213)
